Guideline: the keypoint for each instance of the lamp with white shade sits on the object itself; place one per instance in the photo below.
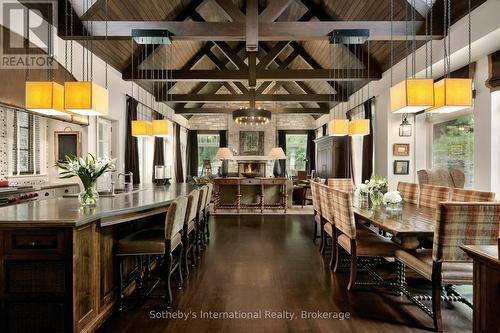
(224, 154)
(277, 154)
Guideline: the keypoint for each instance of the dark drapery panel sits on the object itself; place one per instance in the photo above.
(282, 144)
(222, 138)
(311, 151)
(131, 147)
(179, 174)
(348, 154)
(158, 154)
(367, 162)
(324, 129)
(192, 153)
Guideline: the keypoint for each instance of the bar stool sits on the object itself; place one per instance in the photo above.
(207, 209)
(201, 215)
(166, 243)
(190, 229)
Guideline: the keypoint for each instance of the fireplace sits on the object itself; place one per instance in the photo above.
(256, 167)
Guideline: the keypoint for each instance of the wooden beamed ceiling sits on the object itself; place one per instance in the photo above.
(231, 53)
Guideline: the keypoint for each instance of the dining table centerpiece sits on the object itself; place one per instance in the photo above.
(392, 200)
(377, 187)
(88, 169)
(362, 192)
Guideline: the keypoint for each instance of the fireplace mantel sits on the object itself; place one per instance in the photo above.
(251, 158)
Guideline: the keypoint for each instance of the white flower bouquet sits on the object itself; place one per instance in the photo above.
(392, 199)
(377, 187)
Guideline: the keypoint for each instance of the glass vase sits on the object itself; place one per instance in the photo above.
(89, 195)
(393, 206)
(376, 198)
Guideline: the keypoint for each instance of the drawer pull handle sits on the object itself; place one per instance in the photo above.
(33, 244)
(47, 194)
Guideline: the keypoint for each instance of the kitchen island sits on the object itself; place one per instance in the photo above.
(56, 260)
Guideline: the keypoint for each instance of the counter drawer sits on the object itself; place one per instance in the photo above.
(250, 181)
(50, 241)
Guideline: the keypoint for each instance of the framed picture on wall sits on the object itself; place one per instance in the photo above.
(401, 167)
(66, 144)
(401, 149)
(251, 143)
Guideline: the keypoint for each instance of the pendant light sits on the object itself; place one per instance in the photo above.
(452, 94)
(161, 127)
(44, 97)
(360, 127)
(87, 98)
(405, 128)
(336, 126)
(412, 94)
(141, 128)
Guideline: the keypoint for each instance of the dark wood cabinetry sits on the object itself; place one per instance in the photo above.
(330, 157)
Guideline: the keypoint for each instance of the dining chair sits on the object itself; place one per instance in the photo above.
(316, 202)
(430, 195)
(446, 264)
(200, 218)
(206, 211)
(357, 241)
(165, 242)
(462, 195)
(409, 192)
(190, 230)
(327, 219)
(342, 184)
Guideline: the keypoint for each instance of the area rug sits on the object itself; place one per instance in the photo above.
(294, 210)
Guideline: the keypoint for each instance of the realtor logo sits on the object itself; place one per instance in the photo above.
(30, 18)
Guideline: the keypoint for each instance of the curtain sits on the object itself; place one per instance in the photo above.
(367, 162)
(158, 155)
(348, 155)
(282, 144)
(192, 153)
(179, 174)
(131, 147)
(324, 129)
(311, 153)
(222, 138)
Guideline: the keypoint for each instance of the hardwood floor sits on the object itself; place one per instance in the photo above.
(269, 263)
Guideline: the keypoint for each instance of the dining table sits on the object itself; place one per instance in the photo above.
(406, 224)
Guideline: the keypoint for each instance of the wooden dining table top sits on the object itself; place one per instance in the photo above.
(410, 221)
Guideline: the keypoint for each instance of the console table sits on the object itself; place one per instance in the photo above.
(250, 193)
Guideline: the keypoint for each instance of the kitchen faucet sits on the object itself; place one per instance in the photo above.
(128, 185)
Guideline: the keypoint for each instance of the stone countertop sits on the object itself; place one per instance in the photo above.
(67, 212)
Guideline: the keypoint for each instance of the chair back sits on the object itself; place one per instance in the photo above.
(409, 192)
(459, 224)
(208, 198)
(316, 200)
(462, 195)
(176, 215)
(430, 195)
(301, 175)
(344, 213)
(342, 184)
(203, 197)
(192, 207)
(325, 197)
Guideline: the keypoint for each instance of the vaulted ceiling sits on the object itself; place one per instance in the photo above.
(223, 48)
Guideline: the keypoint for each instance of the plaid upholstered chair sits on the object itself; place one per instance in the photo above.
(446, 264)
(342, 184)
(462, 195)
(327, 216)
(316, 201)
(430, 195)
(409, 192)
(358, 242)
(190, 232)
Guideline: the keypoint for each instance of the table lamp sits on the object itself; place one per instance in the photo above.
(277, 154)
(224, 154)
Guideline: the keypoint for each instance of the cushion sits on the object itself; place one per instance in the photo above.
(421, 262)
(369, 244)
(147, 241)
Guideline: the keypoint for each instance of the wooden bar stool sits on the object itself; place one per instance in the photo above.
(166, 243)
(201, 215)
(190, 231)
(206, 211)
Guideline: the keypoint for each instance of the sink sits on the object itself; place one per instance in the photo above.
(106, 194)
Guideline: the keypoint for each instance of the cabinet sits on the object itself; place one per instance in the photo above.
(58, 191)
(331, 154)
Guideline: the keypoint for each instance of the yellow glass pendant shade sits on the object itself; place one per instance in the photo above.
(412, 95)
(161, 128)
(45, 97)
(142, 128)
(359, 127)
(338, 127)
(86, 98)
(452, 95)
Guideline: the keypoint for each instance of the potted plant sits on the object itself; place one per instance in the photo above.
(88, 169)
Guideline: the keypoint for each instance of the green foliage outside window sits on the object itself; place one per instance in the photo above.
(296, 150)
(208, 145)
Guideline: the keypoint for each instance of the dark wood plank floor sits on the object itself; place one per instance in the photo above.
(270, 263)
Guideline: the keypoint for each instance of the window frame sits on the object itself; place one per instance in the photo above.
(216, 144)
(32, 169)
(295, 133)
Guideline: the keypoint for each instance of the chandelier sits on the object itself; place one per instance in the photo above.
(251, 116)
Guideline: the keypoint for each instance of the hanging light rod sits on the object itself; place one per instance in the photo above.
(151, 36)
(350, 36)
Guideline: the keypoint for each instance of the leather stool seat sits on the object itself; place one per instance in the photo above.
(147, 241)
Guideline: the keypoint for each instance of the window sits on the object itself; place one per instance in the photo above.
(208, 145)
(26, 147)
(453, 146)
(296, 152)
(104, 131)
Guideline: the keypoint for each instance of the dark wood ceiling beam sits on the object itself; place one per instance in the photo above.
(261, 75)
(93, 10)
(221, 64)
(231, 55)
(198, 111)
(267, 31)
(273, 10)
(217, 98)
(252, 26)
(272, 54)
(232, 11)
(291, 57)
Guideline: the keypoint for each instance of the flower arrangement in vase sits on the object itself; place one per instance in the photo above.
(377, 187)
(392, 200)
(88, 169)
